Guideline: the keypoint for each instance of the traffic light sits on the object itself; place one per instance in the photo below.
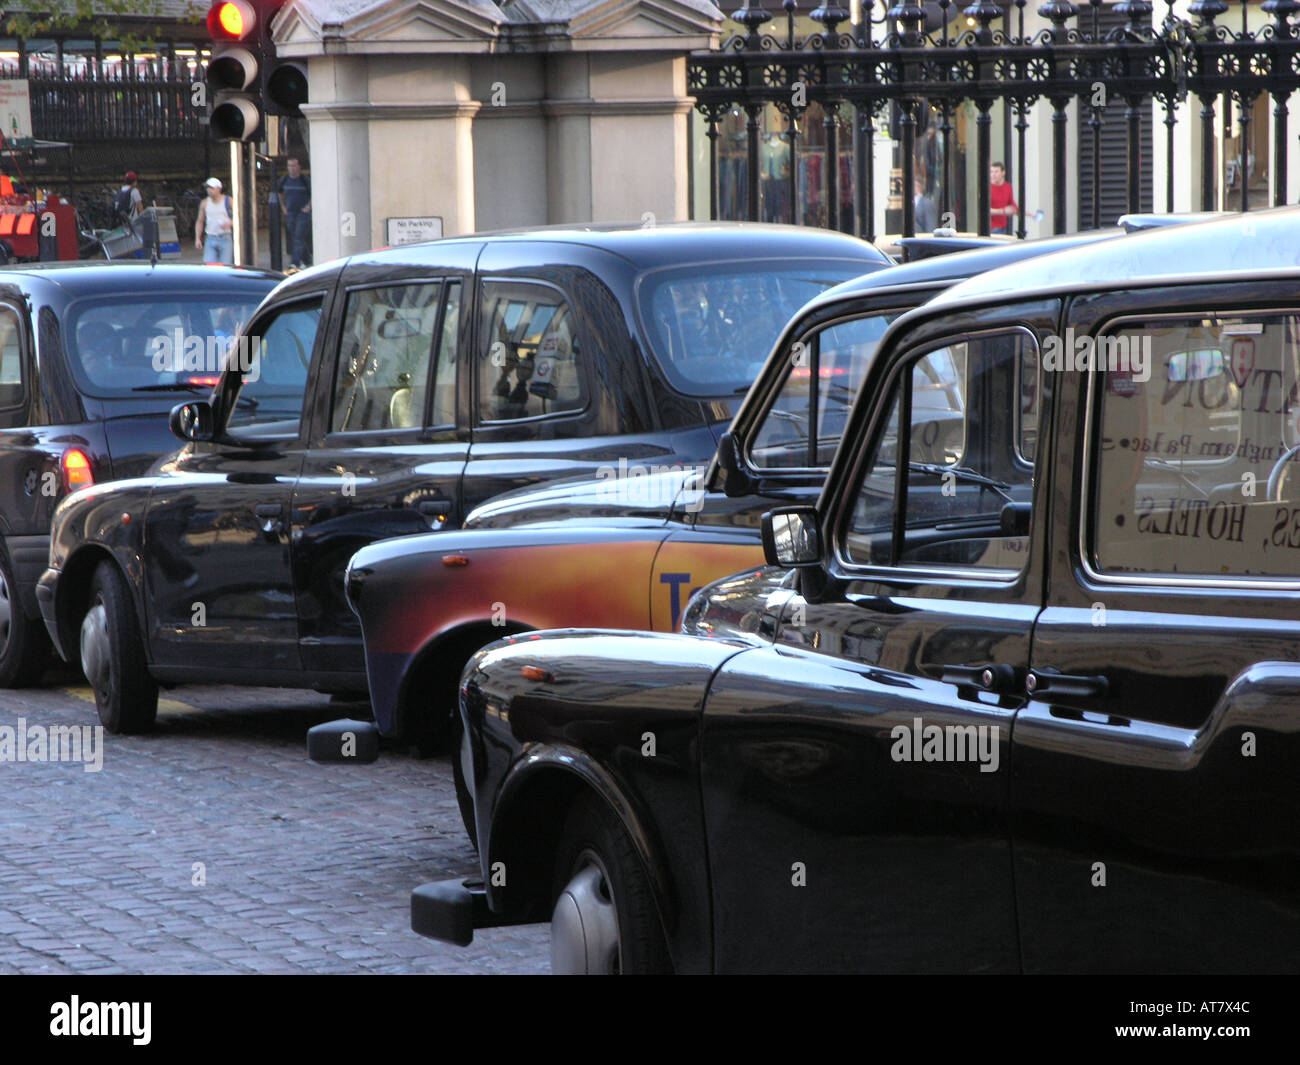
(284, 81)
(235, 70)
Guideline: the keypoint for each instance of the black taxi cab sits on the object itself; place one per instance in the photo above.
(1022, 691)
(92, 357)
(388, 394)
(628, 547)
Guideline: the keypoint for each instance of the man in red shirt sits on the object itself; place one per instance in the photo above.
(1002, 204)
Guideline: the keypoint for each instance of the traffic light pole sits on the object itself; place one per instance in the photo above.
(237, 197)
(273, 215)
(250, 205)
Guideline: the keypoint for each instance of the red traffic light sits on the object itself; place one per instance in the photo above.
(231, 20)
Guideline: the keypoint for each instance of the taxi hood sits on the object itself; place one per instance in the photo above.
(619, 490)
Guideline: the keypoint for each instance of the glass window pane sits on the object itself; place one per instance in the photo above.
(964, 419)
(383, 367)
(835, 360)
(276, 378)
(122, 344)
(1194, 466)
(444, 381)
(11, 353)
(713, 326)
(530, 365)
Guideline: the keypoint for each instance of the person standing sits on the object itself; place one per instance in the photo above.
(1002, 203)
(924, 213)
(128, 203)
(295, 195)
(216, 222)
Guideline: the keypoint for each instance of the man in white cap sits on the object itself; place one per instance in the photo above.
(216, 219)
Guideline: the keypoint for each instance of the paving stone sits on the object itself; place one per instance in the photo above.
(308, 868)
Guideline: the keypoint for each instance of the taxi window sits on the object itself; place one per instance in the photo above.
(1194, 447)
(531, 355)
(444, 378)
(964, 434)
(11, 366)
(153, 341)
(274, 363)
(802, 428)
(711, 326)
(382, 375)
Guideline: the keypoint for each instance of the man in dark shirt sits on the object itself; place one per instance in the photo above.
(295, 196)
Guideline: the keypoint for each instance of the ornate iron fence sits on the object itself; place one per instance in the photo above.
(860, 75)
(88, 107)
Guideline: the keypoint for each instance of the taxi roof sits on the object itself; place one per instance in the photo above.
(1239, 246)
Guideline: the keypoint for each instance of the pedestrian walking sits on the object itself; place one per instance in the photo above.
(1002, 203)
(216, 223)
(924, 212)
(295, 195)
(128, 202)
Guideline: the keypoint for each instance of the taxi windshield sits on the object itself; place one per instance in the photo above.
(174, 342)
(712, 325)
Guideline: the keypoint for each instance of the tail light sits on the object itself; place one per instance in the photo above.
(76, 470)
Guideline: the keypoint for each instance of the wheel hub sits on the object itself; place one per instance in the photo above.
(6, 613)
(584, 925)
(94, 646)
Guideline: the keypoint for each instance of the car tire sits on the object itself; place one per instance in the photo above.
(430, 736)
(604, 919)
(24, 644)
(463, 798)
(112, 656)
(432, 732)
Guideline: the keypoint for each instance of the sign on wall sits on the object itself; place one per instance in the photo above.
(413, 230)
(15, 109)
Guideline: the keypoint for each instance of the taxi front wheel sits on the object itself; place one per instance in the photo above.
(604, 921)
(112, 656)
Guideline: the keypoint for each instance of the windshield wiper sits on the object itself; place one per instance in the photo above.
(963, 475)
(174, 386)
(246, 402)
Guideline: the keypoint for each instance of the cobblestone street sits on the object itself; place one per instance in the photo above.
(307, 868)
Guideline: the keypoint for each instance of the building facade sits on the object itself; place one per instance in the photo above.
(486, 117)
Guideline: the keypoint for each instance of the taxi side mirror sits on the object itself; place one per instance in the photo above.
(791, 537)
(192, 421)
(736, 481)
(1015, 518)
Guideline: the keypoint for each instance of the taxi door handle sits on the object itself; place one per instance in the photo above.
(269, 515)
(1048, 682)
(989, 678)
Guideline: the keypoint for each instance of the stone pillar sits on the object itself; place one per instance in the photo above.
(421, 116)
(568, 109)
(340, 156)
(638, 137)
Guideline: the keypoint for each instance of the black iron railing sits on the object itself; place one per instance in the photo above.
(89, 107)
(860, 75)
